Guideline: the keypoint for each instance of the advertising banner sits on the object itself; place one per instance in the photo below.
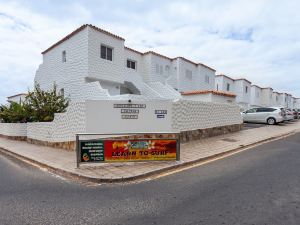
(128, 150)
(140, 150)
(92, 151)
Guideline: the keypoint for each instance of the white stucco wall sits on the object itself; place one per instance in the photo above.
(62, 128)
(222, 81)
(266, 97)
(103, 69)
(297, 103)
(73, 71)
(192, 115)
(283, 100)
(13, 129)
(243, 98)
(255, 96)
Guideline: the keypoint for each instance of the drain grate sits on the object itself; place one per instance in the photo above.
(229, 140)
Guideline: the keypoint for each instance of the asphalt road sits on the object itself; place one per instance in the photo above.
(257, 186)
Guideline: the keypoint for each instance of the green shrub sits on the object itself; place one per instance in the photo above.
(39, 106)
(14, 113)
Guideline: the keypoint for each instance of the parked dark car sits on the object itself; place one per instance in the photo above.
(296, 114)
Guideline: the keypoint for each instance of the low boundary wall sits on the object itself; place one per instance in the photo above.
(193, 119)
(16, 131)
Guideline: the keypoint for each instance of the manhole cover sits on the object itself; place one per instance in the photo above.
(229, 140)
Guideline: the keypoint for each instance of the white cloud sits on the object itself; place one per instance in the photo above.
(258, 40)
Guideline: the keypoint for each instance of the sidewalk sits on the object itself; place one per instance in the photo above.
(64, 163)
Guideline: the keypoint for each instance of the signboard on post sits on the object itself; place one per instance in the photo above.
(92, 151)
(127, 150)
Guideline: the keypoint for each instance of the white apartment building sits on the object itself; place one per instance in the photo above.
(256, 93)
(283, 100)
(18, 98)
(276, 99)
(91, 63)
(210, 96)
(297, 103)
(224, 83)
(290, 104)
(240, 87)
(267, 97)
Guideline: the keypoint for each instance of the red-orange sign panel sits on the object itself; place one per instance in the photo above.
(139, 150)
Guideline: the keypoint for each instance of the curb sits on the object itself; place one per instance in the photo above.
(83, 178)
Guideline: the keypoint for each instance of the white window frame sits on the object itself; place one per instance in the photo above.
(64, 56)
(112, 52)
(131, 61)
(189, 74)
(207, 79)
(227, 86)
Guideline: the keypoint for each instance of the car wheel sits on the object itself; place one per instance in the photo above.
(271, 121)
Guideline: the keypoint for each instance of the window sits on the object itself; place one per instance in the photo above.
(161, 71)
(62, 92)
(257, 94)
(64, 56)
(207, 79)
(246, 89)
(228, 87)
(167, 71)
(251, 110)
(106, 52)
(276, 98)
(189, 74)
(217, 87)
(157, 68)
(265, 110)
(131, 64)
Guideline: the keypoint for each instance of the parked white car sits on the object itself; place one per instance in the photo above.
(289, 115)
(269, 115)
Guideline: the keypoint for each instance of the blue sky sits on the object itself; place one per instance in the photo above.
(258, 39)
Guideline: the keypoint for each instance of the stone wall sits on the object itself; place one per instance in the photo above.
(192, 135)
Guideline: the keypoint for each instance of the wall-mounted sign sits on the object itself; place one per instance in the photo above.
(130, 111)
(128, 117)
(161, 111)
(140, 106)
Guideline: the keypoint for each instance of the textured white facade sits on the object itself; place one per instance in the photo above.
(275, 99)
(283, 100)
(266, 97)
(256, 93)
(185, 115)
(13, 129)
(75, 64)
(224, 83)
(193, 115)
(62, 128)
(240, 87)
(297, 103)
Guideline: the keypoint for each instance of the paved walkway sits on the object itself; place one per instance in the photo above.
(64, 162)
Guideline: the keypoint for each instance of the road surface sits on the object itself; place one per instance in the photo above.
(257, 186)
